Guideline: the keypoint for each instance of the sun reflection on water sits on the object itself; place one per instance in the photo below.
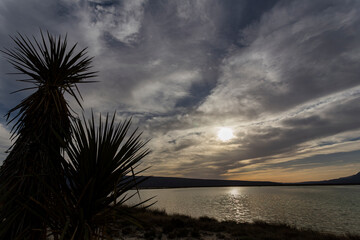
(234, 191)
(237, 207)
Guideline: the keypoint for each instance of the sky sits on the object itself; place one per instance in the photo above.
(283, 76)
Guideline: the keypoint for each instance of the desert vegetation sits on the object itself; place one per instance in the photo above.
(43, 193)
(156, 224)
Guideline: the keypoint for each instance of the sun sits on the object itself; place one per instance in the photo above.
(225, 134)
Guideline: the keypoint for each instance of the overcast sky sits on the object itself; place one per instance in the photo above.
(283, 75)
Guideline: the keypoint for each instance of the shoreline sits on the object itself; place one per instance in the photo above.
(158, 225)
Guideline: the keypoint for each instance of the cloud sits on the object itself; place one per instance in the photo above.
(5, 142)
(122, 21)
(162, 93)
(298, 52)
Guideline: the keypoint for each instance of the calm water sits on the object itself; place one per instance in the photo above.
(325, 208)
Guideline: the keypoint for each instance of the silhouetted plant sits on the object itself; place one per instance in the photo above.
(102, 161)
(42, 123)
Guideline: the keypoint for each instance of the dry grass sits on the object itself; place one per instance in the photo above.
(158, 225)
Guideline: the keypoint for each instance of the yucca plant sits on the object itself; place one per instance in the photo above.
(102, 168)
(41, 126)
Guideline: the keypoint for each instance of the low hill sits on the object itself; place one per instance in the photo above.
(354, 179)
(174, 182)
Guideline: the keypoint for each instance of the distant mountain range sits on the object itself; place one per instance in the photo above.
(172, 182)
(354, 179)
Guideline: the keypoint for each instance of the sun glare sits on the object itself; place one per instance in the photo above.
(225, 134)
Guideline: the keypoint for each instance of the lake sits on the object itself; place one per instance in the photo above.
(333, 209)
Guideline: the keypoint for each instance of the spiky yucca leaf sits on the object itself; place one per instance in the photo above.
(100, 172)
